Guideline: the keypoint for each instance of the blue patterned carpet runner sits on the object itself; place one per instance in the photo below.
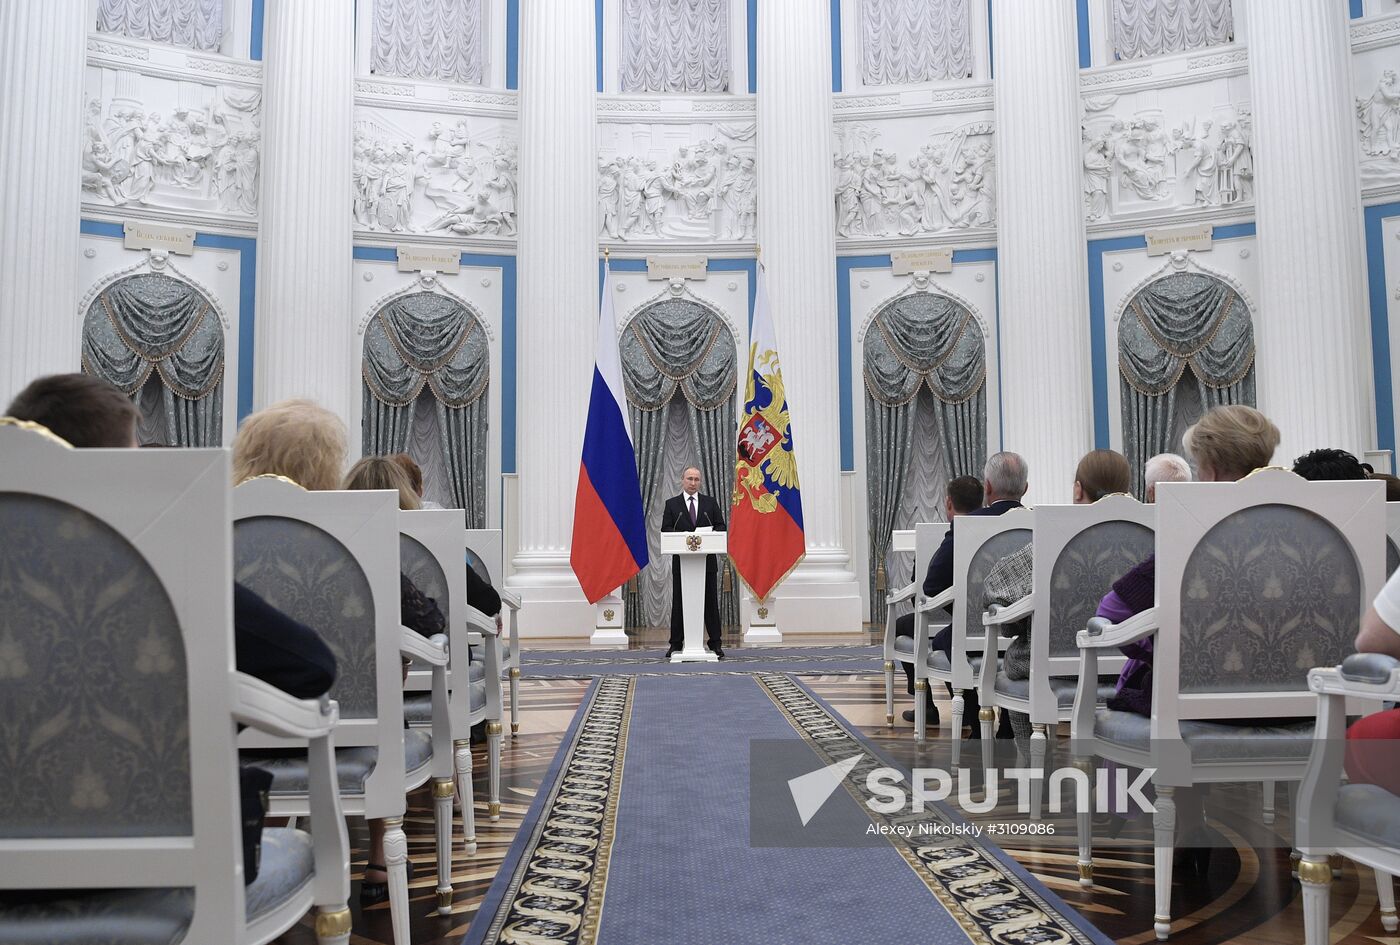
(807, 660)
(667, 818)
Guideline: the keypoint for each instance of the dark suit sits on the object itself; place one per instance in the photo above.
(938, 579)
(676, 518)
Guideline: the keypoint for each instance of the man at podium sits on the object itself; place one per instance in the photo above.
(685, 513)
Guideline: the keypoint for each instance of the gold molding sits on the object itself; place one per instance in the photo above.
(493, 809)
(331, 924)
(443, 787)
(30, 426)
(1318, 874)
(493, 727)
(1086, 871)
(986, 714)
(444, 899)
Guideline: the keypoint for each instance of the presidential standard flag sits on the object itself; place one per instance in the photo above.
(610, 540)
(766, 539)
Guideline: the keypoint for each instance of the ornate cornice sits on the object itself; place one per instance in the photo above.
(387, 89)
(228, 68)
(1375, 33)
(119, 50)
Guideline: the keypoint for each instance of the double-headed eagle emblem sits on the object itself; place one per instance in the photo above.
(766, 464)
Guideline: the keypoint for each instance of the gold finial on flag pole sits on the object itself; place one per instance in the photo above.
(606, 252)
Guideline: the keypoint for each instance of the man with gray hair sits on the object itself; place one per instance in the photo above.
(1164, 467)
(1003, 484)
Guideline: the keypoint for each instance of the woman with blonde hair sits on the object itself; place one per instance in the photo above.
(382, 472)
(298, 439)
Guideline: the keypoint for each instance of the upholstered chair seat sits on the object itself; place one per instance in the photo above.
(286, 864)
(1062, 686)
(1369, 811)
(1213, 741)
(418, 706)
(99, 917)
(353, 766)
(939, 662)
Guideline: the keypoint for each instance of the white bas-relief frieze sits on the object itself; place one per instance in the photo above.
(194, 157)
(452, 180)
(1137, 165)
(1378, 124)
(707, 190)
(950, 183)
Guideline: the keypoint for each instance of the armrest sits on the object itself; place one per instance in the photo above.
(937, 602)
(1099, 633)
(999, 614)
(431, 650)
(903, 594)
(1364, 675)
(474, 638)
(508, 599)
(481, 623)
(268, 709)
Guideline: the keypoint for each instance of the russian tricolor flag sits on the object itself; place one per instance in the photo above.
(610, 540)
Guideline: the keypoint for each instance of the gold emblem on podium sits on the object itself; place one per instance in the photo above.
(609, 614)
(692, 542)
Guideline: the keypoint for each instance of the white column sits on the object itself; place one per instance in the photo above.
(557, 302)
(1043, 302)
(42, 55)
(305, 331)
(797, 233)
(1312, 321)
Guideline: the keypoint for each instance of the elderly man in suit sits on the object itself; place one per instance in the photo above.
(685, 513)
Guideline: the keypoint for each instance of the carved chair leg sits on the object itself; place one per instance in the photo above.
(443, 789)
(396, 863)
(1084, 818)
(1385, 893)
(1268, 787)
(958, 706)
(466, 793)
(889, 693)
(493, 769)
(1037, 764)
(514, 701)
(986, 718)
(1163, 849)
(920, 709)
(1315, 873)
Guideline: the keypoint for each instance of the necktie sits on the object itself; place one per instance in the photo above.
(693, 520)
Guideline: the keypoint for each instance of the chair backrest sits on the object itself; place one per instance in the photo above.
(331, 560)
(430, 552)
(979, 542)
(484, 554)
(116, 660)
(1258, 582)
(927, 537)
(1080, 550)
(1392, 537)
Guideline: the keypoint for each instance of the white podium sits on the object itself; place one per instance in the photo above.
(691, 549)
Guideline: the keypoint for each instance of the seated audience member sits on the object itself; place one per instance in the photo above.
(964, 496)
(1228, 443)
(418, 611)
(89, 412)
(415, 476)
(1370, 756)
(1329, 465)
(1164, 467)
(1100, 473)
(1392, 485)
(305, 442)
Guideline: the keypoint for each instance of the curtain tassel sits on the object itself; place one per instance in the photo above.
(880, 578)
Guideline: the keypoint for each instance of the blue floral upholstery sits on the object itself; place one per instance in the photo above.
(1062, 686)
(94, 705)
(479, 652)
(983, 560)
(418, 563)
(98, 917)
(418, 706)
(285, 867)
(1213, 741)
(307, 574)
(1267, 594)
(353, 766)
(1085, 571)
(1369, 811)
(1392, 557)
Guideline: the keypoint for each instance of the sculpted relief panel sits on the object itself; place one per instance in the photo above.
(652, 188)
(1141, 162)
(1378, 128)
(173, 145)
(454, 177)
(947, 182)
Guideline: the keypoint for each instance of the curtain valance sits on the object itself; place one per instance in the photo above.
(924, 338)
(678, 343)
(426, 338)
(1185, 318)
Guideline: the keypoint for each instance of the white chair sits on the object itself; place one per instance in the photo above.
(431, 556)
(485, 555)
(1080, 550)
(980, 541)
(1360, 821)
(1256, 582)
(122, 557)
(1392, 537)
(331, 560)
(927, 537)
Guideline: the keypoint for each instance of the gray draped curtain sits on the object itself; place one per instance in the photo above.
(151, 323)
(920, 339)
(677, 345)
(1185, 320)
(431, 345)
